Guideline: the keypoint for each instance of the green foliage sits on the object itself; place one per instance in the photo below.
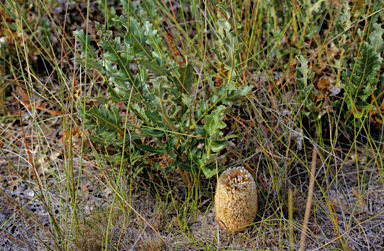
(106, 123)
(304, 85)
(228, 49)
(161, 95)
(360, 74)
(360, 83)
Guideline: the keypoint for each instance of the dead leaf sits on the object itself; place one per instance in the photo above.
(77, 138)
(324, 85)
(331, 54)
(25, 101)
(24, 97)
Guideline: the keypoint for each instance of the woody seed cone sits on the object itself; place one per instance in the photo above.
(235, 199)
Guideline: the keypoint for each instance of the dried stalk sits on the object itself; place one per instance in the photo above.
(309, 200)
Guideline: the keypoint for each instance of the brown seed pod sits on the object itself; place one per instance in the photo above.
(235, 199)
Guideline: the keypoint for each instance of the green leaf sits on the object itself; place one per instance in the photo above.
(135, 37)
(153, 67)
(129, 8)
(117, 158)
(234, 93)
(208, 172)
(362, 82)
(129, 137)
(162, 106)
(232, 49)
(86, 47)
(224, 24)
(218, 145)
(155, 41)
(99, 140)
(184, 82)
(194, 156)
(108, 121)
(302, 73)
(187, 100)
(122, 58)
(214, 121)
(91, 63)
(148, 10)
(376, 38)
(170, 147)
(116, 94)
(151, 149)
(185, 167)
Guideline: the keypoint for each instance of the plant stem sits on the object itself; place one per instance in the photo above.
(290, 218)
(309, 200)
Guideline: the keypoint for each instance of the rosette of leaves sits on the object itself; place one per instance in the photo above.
(160, 95)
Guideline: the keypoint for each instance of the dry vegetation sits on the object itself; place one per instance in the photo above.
(117, 144)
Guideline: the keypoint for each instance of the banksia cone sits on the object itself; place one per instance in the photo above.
(235, 199)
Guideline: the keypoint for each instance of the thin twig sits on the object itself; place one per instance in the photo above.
(309, 199)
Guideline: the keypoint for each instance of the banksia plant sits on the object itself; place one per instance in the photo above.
(235, 199)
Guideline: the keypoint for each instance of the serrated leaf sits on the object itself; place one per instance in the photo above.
(234, 47)
(235, 94)
(187, 100)
(345, 15)
(148, 10)
(116, 94)
(86, 47)
(361, 83)
(211, 83)
(155, 118)
(129, 8)
(99, 140)
(376, 38)
(155, 41)
(108, 120)
(114, 55)
(134, 37)
(224, 24)
(91, 63)
(158, 99)
(129, 137)
(302, 73)
(193, 155)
